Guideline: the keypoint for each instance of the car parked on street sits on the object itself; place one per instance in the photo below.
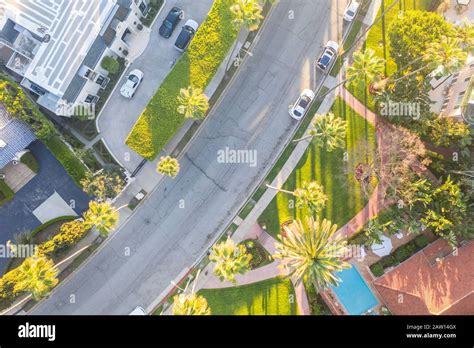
(351, 10)
(171, 21)
(299, 109)
(187, 33)
(329, 53)
(130, 86)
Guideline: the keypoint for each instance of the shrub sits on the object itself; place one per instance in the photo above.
(377, 269)
(421, 241)
(30, 161)
(110, 64)
(160, 120)
(6, 193)
(70, 234)
(402, 253)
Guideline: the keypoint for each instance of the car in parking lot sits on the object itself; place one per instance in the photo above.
(299, 109)
(187, 33)
(329, 53)
(351, 10)
(134, 78)
(171, 21)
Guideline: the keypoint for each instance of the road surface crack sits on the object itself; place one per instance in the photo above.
(205, 174)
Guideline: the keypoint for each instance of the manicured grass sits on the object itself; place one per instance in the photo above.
(30, 161)
(332, 171)
(6, 193)
(160, 119)
(378, 38)
(274, 296)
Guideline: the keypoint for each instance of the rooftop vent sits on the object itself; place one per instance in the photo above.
(2, 144)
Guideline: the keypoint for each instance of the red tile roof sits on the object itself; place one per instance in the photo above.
(422, 285)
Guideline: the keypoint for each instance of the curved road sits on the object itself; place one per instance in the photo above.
(163, 236)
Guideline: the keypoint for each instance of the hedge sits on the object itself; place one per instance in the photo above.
(197, 66)
(50, 222)
(30, 161)
(73, 166)
(399, 255)
(46, 131)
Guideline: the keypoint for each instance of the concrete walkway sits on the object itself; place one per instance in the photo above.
(269, 271)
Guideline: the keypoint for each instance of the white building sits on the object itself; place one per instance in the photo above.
(56, 46)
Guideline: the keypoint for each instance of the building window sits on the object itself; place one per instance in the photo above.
(143, 7)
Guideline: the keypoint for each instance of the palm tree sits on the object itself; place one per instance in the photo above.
(366, 68)
(190, 304)
(230, 259)
(247, 13)
(311, 195)
(168, 166)
(102, 216)
(312, 252)
(36, 275)
(446, 54)
(193, 103)
(327, 131)
(465, 34)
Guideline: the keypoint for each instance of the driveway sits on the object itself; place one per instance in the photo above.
(178, 221)
(17, 215)
(119, 115)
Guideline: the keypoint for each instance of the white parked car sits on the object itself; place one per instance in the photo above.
(130, 86)
(329, 53)
(351, 10)
(138, 311)
(299, 109)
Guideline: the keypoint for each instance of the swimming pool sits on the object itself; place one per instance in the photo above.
(354, 293)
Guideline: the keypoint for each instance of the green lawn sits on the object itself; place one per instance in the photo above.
(197, 66)
(6, 193)
(378, 38)
(274, 296)
(332, 171)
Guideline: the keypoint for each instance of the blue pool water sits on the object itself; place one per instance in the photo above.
(354, 293)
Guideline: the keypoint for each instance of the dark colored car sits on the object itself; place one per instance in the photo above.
(186, 35)
(171, 21)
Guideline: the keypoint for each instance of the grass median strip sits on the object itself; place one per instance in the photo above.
(160, 120)
(268, 297)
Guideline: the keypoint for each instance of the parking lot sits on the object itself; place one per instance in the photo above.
(120, 114)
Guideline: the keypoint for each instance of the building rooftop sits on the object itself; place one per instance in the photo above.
(15, 136)
(65, 31)
(433, 281)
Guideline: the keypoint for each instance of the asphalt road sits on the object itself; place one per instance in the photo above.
(163, 236)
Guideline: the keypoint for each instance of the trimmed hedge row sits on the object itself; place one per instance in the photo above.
(50, 222)
(399, 255)
(160, 120)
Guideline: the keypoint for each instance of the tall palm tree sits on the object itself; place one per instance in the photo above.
(327, 131)
(247, 13)
(366, 68)
(168, 166)
(36, 275)
(465, 34)
(190, 304)
(447, 53)
(312, 252)
(311, 195)
(102, 216)
(230, 260)
(193, 103)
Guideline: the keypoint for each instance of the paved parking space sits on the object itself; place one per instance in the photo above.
(16, 216)
(120, 114)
